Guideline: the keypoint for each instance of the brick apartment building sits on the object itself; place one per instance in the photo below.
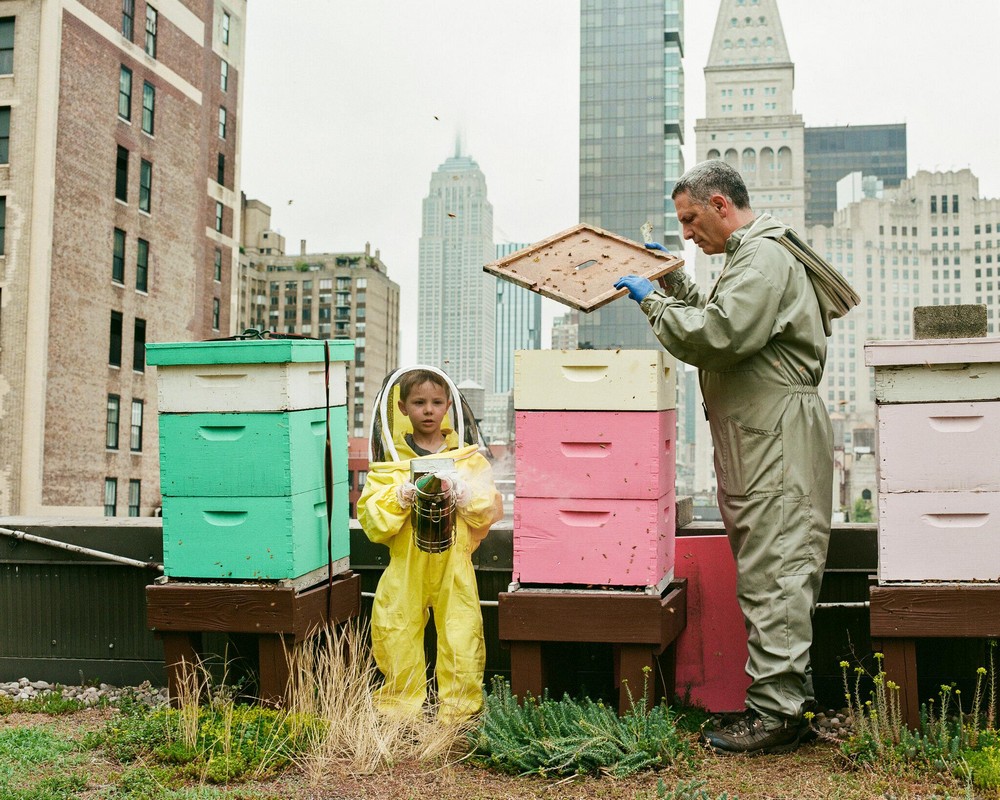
(119, 214)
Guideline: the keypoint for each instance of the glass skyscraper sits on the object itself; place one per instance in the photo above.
(833, 152)
(631, 132)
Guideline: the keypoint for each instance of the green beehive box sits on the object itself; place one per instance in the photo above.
(253, 538)
(250, 454)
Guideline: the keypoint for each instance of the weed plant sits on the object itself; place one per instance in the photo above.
(215, 742)
(948, 739)
(333, 676)
(549, 737)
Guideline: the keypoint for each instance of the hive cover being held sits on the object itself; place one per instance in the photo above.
(579, 266)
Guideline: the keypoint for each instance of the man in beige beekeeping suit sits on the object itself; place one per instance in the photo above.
(758, 339)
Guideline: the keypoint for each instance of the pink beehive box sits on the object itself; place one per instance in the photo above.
(938, 447)
(939, 536)
(594, 542)
(598, 454)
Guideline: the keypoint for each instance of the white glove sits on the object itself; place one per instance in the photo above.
(460, 491)
(404, 494)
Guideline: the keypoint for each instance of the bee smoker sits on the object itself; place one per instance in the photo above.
(433, 512)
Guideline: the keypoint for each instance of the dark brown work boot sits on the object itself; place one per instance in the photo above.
(747, 736)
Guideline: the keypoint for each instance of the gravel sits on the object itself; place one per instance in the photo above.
(24, 689)
(833, 724)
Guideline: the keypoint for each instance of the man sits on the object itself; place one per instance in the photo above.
(758, 339)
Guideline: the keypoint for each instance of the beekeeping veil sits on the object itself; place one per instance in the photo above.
(389, 426)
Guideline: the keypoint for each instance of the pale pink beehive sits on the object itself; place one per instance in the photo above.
(939, 447)
(938, 412)
(597, 454)
(594, 542)
(939, 536)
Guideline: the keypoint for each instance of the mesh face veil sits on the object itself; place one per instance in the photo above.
(389, 426)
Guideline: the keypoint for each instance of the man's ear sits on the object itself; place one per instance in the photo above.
(720, 204)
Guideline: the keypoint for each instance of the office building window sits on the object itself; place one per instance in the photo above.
(224, 75)
(222, 122)
(145, 185)
(151, 31)
(114, 412)
(135, 434)
(218, 216)
(4, 134)
(215, 313)
(218, 264)
(128, 18)
(121, 175)
(118, 259)
(115, 345)
(125, 93)
(110, 496)
(142, 265)
(148, 107)
(226, 24)
(3, 225)
(220, 170)
(139, 346)
(7, 46)
(134, 492)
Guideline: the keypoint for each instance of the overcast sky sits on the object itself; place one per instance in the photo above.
(350, 106)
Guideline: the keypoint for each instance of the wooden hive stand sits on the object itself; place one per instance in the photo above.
(901, 614)
(642, 627)
(280, 617)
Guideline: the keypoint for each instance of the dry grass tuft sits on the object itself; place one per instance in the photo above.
(332, 678)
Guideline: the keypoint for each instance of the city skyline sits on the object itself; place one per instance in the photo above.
(401, 83)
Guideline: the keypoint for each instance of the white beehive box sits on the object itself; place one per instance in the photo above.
(594, 380)
(233, 376)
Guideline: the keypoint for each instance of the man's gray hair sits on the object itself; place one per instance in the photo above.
(713, 177)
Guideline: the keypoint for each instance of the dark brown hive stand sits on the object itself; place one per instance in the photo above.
(280, 617)
(642, 627)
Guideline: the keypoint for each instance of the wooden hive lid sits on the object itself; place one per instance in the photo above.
(579, 266)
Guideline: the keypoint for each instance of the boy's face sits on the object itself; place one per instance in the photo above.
(426, 406)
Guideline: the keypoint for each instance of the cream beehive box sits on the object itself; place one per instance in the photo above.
(932, 370)
(594, 380)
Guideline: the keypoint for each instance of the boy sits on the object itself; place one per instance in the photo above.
(416, 580)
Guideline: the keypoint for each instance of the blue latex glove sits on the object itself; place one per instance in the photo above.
(655, 246)
(638, 287)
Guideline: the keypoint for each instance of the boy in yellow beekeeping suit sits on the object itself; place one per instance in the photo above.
(411, 422)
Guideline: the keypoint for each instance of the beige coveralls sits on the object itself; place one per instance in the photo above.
(759, 345)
